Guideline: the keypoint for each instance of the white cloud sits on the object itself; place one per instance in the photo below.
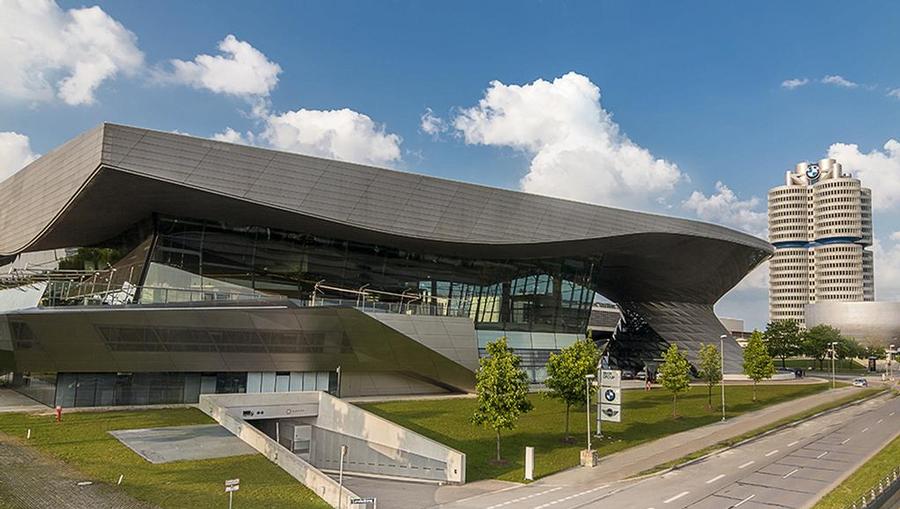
(879, 170)
(432, 124)
(47, 52)
(725, 208)
(15, 153)
(887, 268)
(577, 151)
(895, 93)
(791, 84)
(240, 70)
(339, 134)
(838, 81)
(231, 136)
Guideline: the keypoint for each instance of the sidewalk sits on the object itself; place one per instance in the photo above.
(635, 460)
(12, 401)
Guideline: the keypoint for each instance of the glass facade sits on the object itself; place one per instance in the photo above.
(548, 295)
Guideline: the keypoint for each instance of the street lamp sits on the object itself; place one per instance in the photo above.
(587, 406)
(833, 354)
(722, 381)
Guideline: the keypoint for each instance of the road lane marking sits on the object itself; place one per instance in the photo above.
(864, 430)
(821, 455)
(845, 442)
(745, 500)
(746, 464)
(891, 414)
(554, 502)
(792, 444)
(716, 478)
(676, 497)
(513, 501)
(771, 453)
(879, 421)
(792, 472)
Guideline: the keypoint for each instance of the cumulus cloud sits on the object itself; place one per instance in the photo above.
(240, 70)
(340, 134)
(838, 81)
(887, 268)
(726, 208)
(878, 169)
(15, 153)
(229, 135)
(48, 52)
(432, 124)
(895, 93)
(577, 151)
(791, 84)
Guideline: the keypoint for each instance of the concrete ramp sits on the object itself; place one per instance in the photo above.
(312, 427)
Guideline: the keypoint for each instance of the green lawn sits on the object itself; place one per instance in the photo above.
(864, 479)
(83, 442)
(647, 416)
(847, 366)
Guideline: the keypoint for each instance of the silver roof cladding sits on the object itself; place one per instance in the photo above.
(396, 203)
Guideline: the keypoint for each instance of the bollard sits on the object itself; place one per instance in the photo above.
(28, 435)
(119, 482)
(529, 463)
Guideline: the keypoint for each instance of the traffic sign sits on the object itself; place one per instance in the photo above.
(611, 396)
(612, 413)
(232, 485)
(367, 500)
(610, 378)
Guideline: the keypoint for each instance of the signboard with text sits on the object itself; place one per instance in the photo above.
(610, 378)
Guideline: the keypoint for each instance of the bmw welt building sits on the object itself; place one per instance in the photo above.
(208, 267)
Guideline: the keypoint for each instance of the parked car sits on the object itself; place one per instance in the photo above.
(860, 382)
(641, 375)
(627, 374)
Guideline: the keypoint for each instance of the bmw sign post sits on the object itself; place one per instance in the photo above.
(232, 485)
(609, 397)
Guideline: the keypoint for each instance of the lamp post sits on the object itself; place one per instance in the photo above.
(587, 406)
(833, 354)
(722, 381)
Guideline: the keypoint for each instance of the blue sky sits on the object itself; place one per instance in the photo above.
(696, 87)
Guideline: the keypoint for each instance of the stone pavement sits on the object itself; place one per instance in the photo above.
(179, 443)
(30, 480)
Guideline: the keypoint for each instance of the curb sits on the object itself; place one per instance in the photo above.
(761, 435)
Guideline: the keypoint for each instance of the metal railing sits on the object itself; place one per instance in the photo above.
(405, 308)
(880, 493)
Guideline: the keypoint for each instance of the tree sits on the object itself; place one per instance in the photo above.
(878, 352)
(783, 339)
(502, 388)
(675, 372)
(758, 364)
(817, 341)
(566, 373)
(710, 369)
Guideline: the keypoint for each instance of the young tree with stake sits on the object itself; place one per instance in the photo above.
(502, 388)
(758, 364)
(710, 369)
(566, 371)
(675, 372)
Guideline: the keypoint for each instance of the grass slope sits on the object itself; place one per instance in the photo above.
(83, 442)
(647, 416)
(864, 479)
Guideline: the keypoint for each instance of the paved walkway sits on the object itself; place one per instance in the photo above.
(30, 480)
(12, 401)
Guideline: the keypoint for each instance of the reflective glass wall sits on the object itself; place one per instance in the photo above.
(548, 295)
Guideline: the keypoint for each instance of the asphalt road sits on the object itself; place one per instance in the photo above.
(792, 468)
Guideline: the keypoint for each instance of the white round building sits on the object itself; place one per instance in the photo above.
(820, 222)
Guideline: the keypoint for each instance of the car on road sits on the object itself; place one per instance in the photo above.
(860, 382)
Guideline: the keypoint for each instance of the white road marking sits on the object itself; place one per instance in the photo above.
(676, 497)
(716, 478)
(746, 464)
(821, 455)
(513, 501)
(792, 472)
(864, 430)
(745, 500)
(845, 442)
(554, 502)
(792, 444)
(879, 421)
(771, 453)
(891, 414)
